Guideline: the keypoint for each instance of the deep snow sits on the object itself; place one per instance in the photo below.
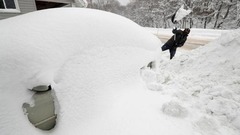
(90, 58)
(93, 59)
(204, 84)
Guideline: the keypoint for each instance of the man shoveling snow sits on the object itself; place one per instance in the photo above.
(179, 37)
(177, 40)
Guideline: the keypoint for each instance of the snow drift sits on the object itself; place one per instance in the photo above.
(92, 60)
(88, 56)
(206, 82)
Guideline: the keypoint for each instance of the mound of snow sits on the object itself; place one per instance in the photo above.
(174, 109)
(207, 81)
(90, 58)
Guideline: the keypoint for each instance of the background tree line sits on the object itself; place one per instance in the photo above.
(216, 14)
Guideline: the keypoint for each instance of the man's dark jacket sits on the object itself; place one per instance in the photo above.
(177, 40)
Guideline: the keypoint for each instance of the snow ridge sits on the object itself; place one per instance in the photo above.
(206, 81)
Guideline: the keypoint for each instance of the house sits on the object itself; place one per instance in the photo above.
(10, 8)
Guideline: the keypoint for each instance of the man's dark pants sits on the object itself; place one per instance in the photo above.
(172, 49)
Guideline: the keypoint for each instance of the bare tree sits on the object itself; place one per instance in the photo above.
(219, 14)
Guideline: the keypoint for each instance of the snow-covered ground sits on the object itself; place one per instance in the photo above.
(204, 85)
(209, 34)
(196, 38)
(93, 59)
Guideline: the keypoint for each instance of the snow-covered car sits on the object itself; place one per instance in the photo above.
(89, 57)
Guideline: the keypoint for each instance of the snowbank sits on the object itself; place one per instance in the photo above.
(89, 57)
(206, 82)
(92, 59)
(207, 34)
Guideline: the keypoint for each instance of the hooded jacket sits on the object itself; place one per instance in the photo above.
(178, 39)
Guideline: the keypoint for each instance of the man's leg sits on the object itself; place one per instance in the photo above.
(165, 47)
(172, 52)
